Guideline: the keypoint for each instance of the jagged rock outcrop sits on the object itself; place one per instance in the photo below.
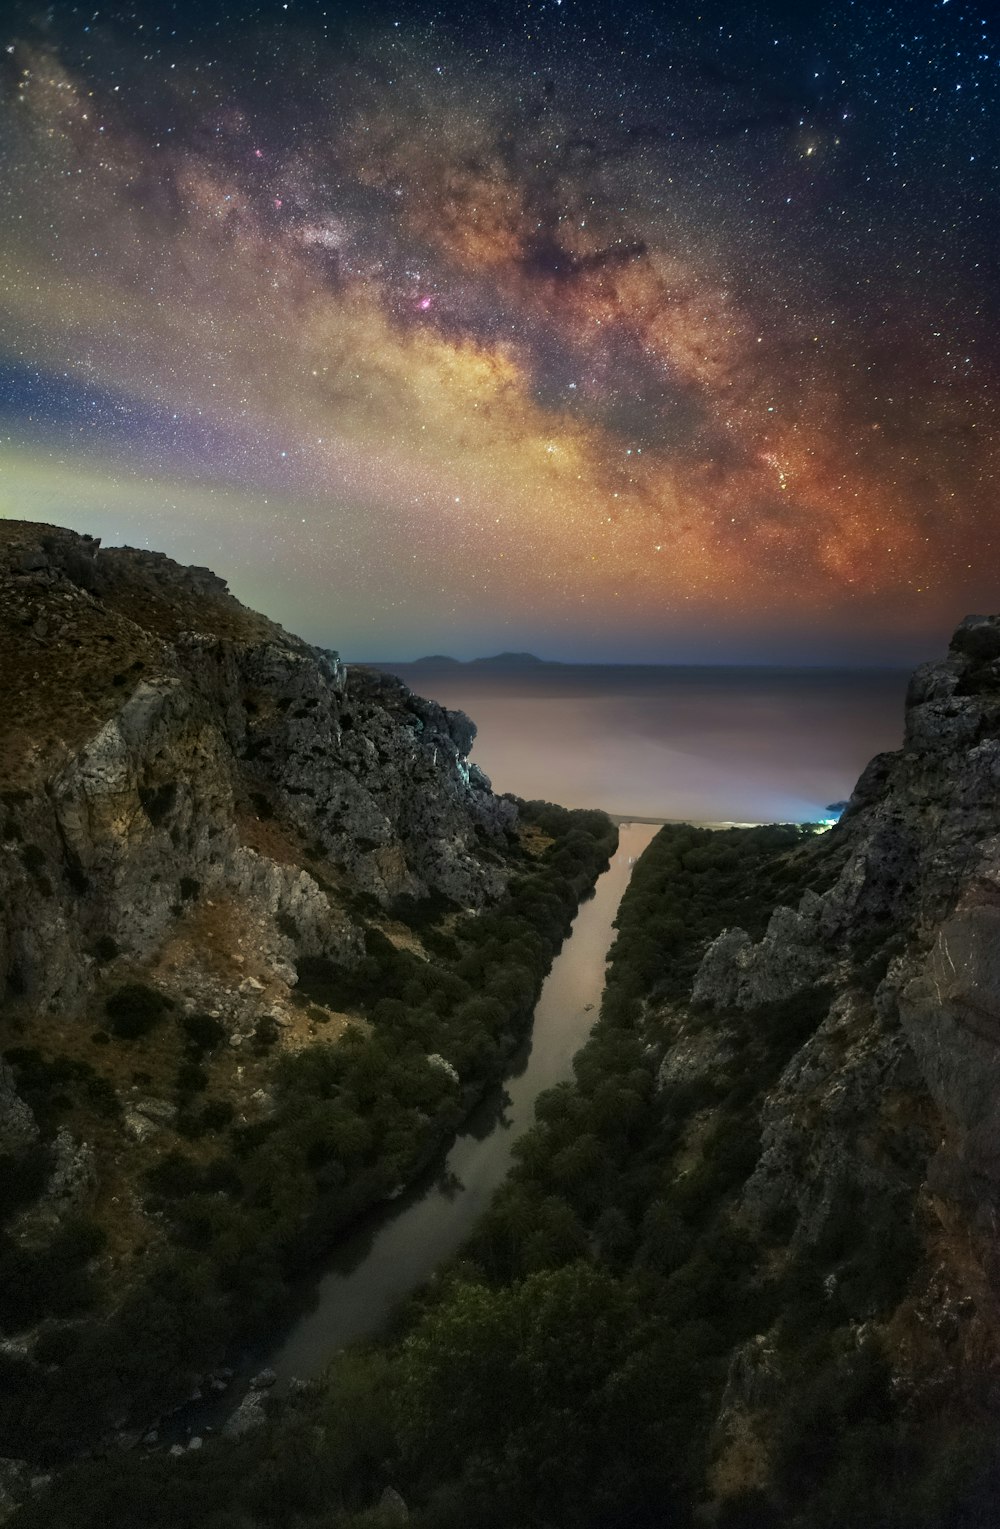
(839, 1094)
(849, 1060)
(18, 1127)
(736, 973)
(73, 1173)
(920, 848)
(166, 751)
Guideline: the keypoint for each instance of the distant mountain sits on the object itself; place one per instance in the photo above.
(495, 661)
(509, 661)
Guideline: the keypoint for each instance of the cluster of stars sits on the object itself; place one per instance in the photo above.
(601, 323)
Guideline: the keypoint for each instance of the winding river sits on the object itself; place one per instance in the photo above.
(398, 1247)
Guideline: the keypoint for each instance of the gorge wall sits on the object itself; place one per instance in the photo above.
(166, 749)
(265, 936)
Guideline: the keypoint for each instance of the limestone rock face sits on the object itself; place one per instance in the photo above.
(165, 753)
(717, 982)
(839, 1092)
(919, 855)
(949, 1006)
(73, 1173)
(249, 1415)
(18, 1127)
(736, 973)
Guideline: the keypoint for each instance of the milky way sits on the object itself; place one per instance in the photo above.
(552, 326)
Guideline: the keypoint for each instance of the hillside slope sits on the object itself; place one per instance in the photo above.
(743, 1271)
(265, 934)
(153, 730)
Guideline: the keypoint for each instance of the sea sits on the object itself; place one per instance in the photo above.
(698, 744)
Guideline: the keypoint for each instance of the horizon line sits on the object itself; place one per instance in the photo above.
(625, 663)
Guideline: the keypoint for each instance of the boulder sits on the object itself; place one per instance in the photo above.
(18, 1127)
(392, 1509)
(249, 1415)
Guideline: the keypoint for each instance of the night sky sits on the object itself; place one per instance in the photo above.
(588, 329)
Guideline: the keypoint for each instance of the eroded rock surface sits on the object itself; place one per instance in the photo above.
(167, 751)
(920, 845)
(871, 1146)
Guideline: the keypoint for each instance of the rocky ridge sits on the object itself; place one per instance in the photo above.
(152, 765)
(891, 1101)
(193, 799)
(918, 887)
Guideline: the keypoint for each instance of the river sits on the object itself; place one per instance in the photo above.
(397, 1248)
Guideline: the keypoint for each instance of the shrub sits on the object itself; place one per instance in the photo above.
(191, 1079)
(22, 1178)
(217, 1114)
(46, 1281)
(105, 949)
(135, 1009)
(203, 1032)
(158, 801)
(265, 1034)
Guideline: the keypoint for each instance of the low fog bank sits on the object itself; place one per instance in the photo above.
(743, 745)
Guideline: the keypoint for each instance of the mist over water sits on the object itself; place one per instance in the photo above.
(706, 744)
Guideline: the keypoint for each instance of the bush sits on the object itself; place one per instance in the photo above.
(22, 1179)
(52, 1280)
(51, 1084)
(158, 801)
(217, 1114)
(191, 1079)
(136, 1009)
(203, 1032)
(265, 1034)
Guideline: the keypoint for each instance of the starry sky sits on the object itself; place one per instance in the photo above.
(641, 333)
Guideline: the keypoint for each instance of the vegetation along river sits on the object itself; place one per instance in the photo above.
(399, 1248)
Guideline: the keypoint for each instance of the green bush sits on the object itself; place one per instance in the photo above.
(136, 1009)
(51, 1280)
(203, 1032)
(22, 1178)
(265, 1034)
(217, 1114)
(158, 801)
(191, 1078)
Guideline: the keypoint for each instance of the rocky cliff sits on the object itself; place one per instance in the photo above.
(916, 894)
(165, 752)
(887, 1117)
(265, 936)
(193, 803)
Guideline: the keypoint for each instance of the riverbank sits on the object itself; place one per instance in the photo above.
(531, 1352)
(397, 1246)
(372, 1270)
(240, 1210)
